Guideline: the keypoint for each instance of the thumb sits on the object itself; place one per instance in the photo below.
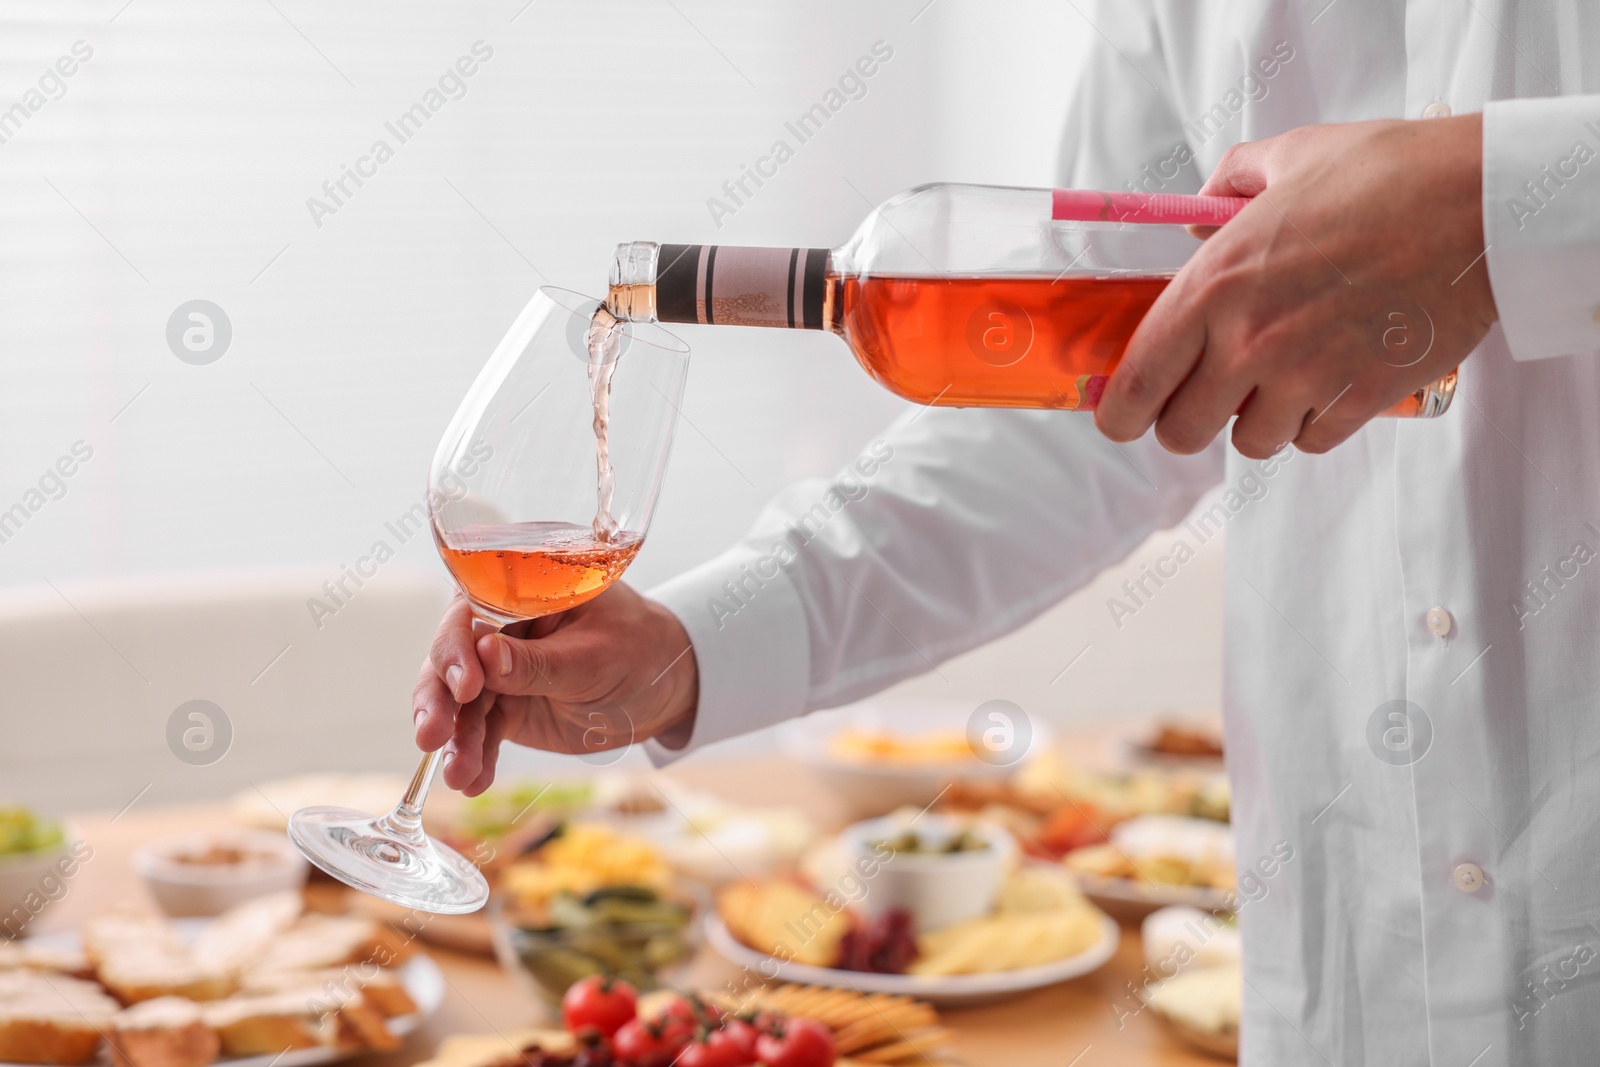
(519, 667)
(1242, 171)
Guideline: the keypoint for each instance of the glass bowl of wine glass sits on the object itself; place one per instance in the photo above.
(540, 495)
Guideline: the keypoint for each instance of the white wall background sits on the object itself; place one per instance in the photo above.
(177, 165)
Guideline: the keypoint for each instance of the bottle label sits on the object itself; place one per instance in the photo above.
(1081, 205)
(726, 285)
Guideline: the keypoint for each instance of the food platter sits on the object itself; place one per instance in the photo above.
(1129, 898)
(420, 976)
(945, 991)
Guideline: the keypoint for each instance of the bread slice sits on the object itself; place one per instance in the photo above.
(362, 1024)
(165, 1032)
(317, 942)
(303, 1017)
(107, 935)
(133, 974)
(240, 936)
(381, 986)
(28, 956)
(267, 1024)
(51, 1019)
(142, 957)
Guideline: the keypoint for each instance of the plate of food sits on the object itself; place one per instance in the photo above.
(696, 835)
(1123, 793)
(1181, 743)
(592, 901)
(260, 984)
(1201, 1008)
(607, 1021)
(942, 912)
(1196, 956)
(1153, 861)
(880, 757)
(1052, 811)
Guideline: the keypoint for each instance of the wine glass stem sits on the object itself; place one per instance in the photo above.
(417, 792)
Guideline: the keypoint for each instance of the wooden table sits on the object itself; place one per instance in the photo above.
(1074, 1024)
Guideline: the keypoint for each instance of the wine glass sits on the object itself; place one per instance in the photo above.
(540, 495)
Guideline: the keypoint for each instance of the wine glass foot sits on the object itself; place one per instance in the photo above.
(389, 857)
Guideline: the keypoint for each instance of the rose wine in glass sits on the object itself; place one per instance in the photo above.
(526, 569)
(540, 495)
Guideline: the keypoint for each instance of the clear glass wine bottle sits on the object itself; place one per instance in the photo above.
(968, 295)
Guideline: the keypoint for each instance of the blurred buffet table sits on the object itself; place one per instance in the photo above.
(1071, 1024)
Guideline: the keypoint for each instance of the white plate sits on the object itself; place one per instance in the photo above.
(867, 788)
(956, 990)
(1130, 899)
(1141, 753)
(421, 977)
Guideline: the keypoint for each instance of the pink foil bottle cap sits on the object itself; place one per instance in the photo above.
(1173, 209)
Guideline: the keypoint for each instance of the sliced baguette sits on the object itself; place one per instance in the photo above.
(165, 1032)
(134, 974)
(51, 1019)
(306, 1017)
(240, 936)
(108, 935)
(28, 956)
(317, 942)
(380, 985)
(267, 1024)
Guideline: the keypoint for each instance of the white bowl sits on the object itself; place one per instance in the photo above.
(872, 788)
(187, 889)
(937, 888)
(32, 881)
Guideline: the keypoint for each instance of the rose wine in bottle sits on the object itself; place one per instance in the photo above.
(959, 295)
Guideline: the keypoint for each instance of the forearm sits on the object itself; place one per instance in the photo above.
(952, 529)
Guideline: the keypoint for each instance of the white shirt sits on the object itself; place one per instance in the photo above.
(1367, 946)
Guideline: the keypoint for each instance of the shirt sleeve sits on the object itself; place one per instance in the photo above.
(954, 527)
(1541, 222)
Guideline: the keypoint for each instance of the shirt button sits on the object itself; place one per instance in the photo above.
(1439, 622)
(1436, 110)
(1468, 877)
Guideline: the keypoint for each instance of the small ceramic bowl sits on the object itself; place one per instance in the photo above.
(31, 881)
(207, 873)
(937, 888)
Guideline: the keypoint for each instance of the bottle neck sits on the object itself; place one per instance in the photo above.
(724, 285)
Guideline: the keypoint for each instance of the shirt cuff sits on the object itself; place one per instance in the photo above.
(1541, 222)
(751, 646)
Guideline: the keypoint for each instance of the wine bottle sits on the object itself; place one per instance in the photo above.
(961, 295)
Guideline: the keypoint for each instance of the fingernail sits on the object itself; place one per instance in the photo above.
(449, 760)
(416, 716)
(452, 678)
(505, 656)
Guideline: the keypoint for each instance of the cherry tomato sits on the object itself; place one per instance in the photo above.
(600, 1003)
(796, 1043)
(718, 1048)
(650, 1044)
(743, 1034)
(692, 1009)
